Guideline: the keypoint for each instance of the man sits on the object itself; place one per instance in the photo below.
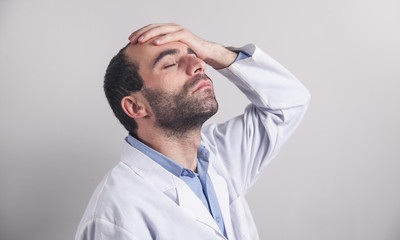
(177, 179)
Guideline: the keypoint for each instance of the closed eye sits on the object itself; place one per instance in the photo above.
(170, 65)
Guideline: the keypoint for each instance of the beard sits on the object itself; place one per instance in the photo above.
(179, 113)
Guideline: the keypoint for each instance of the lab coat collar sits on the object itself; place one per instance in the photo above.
(173, 187)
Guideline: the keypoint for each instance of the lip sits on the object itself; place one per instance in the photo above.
(203, 84)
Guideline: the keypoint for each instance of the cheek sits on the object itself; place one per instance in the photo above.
(172, 83)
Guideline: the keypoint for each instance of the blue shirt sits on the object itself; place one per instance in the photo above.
(241, 55)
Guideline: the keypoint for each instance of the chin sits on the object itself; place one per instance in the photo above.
(212, 107)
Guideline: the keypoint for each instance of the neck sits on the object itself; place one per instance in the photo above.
(181, 148)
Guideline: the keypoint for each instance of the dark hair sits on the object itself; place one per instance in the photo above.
(121, 79)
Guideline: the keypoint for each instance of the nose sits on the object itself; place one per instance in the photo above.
(195, 65)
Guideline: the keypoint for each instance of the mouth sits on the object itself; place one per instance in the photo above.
(203, 84)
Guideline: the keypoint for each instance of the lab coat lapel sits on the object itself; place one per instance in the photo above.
(193, 205)
(221, 190)
(148, 169)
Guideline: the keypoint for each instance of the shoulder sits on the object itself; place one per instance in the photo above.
(119, 185)
(117, 203)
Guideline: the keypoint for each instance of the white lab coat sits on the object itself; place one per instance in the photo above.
(139, 199)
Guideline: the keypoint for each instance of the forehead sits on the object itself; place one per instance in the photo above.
(146, 53)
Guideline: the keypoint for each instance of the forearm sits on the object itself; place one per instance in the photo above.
(247, 143)
(265, 82)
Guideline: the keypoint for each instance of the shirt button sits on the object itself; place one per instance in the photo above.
(218, 219)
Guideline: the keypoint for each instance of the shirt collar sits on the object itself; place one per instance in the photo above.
(168, 164)
(202, 161)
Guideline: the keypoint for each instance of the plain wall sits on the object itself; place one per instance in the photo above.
(337, 178)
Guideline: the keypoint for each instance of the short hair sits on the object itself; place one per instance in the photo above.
(121, 79)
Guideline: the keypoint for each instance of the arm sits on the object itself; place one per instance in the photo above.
(247, 143)
(102, 229)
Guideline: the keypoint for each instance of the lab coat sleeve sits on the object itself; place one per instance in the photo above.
(243, 146)
(100, 229)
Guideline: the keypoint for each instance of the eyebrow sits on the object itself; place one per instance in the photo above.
(165, 53)
(171, 52)
(190, 51)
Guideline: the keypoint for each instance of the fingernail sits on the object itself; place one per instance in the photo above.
(141, 38)
(158, 41)
(131, 37)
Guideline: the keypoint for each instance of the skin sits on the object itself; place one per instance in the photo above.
(170, 74)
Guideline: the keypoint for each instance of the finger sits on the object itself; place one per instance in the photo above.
(133, 37)
(158, 31)
(153, 31)
(136, 34)
(171, 37)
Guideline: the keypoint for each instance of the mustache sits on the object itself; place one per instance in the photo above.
(195, 80)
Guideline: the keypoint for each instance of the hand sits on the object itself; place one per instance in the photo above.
(213, 54)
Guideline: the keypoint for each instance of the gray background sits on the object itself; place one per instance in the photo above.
(338, 177)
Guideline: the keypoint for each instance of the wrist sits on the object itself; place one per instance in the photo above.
(220, 57)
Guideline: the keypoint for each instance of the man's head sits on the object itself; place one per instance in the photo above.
(121, 79)
(164, 84)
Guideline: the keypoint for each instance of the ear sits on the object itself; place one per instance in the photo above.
(133, 107)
